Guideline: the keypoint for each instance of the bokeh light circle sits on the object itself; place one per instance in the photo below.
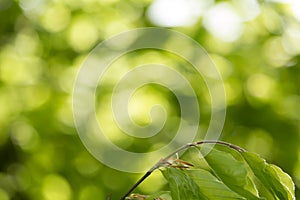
(100, 59)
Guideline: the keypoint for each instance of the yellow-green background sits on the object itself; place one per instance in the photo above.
(44, 42)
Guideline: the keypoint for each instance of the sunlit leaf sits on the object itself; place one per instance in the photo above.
(232, 172)
(163, 195)
(271, 176)
(182, 186)
(197, 184)
(211, 186)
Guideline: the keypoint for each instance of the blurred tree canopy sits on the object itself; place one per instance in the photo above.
(255, 45)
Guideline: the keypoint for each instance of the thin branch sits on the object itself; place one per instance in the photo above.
(164, 160)
(137, 183)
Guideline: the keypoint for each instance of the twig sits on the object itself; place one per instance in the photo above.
(164, 160)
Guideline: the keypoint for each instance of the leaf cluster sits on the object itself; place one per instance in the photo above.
(223, 174)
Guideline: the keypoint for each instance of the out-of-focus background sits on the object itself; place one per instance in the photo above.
(255, 45)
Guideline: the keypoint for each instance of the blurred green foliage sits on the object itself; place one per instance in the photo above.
(44, 42)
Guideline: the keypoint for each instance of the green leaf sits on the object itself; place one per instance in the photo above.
(285, 179)
(233, 173)
(197, 184)
(181, 185)
(272, 177)
(162, 194)
(210, 186)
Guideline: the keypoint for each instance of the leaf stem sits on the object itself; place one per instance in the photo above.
(164, 160)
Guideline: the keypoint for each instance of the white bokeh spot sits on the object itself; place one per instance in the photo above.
(223, 22)
(172, 13)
